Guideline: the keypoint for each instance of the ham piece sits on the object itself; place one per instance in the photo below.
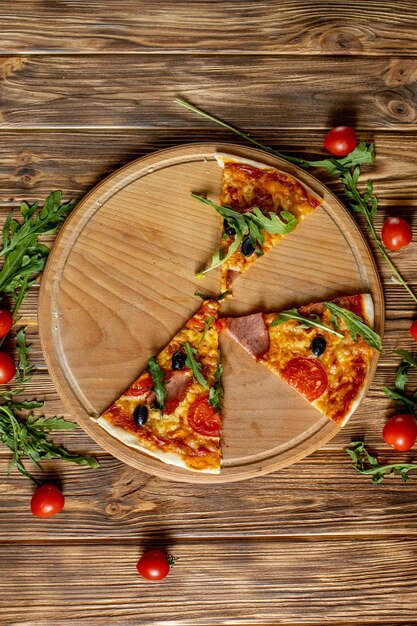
(177, 385)
(251, 333)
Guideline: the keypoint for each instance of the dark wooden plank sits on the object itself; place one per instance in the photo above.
(186, 26)
(32, 164)
(317, 497)
(235, 582)
(261, 91)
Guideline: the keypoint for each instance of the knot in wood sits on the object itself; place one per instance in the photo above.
(341, 40)
(114, 509)
(397, 106)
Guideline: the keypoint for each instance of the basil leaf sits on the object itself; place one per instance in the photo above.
(194, 366)
(356, 326)
(306, 322)
(401, 376)
(158, 378)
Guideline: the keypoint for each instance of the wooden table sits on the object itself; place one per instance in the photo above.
(85, 88)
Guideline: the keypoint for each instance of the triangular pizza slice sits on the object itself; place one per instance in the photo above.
(323, 350)
(260, 205)
(172, 411)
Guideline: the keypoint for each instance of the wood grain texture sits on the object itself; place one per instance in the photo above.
(87, 87)
(315, 499)
(31, 162)
(328, 27)
(238, 582)
(147, 293)
(102, 92)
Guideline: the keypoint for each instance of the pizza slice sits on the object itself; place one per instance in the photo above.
(323, 350)
(172, 411)
(259, 205)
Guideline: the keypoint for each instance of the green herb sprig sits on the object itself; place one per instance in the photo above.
(363, 153)
(24, 257)
(366, 204)
(216, 393)
(399, 394)
(355, 325)
(368, 464)
(158, 377)
(195, 367)
(27, 436)
(347, 167)
(305, 322)
(250, 224)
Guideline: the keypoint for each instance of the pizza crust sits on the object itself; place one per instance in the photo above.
(166, 457)
(222, 157)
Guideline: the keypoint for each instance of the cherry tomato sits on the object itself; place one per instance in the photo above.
(396, 233)
(155, 564)
(400, 432)
(6, 322)
(307, 376)
(413, 330)
(7, 368)
(47, 500)
(340, 141)
(203, 418)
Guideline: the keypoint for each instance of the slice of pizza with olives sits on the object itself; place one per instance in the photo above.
(172, 411)
(323, 350)
(259, 205)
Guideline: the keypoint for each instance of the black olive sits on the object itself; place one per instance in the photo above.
(318, 345)
(178, 360)
(140, 415)
(229, 230)
(247, 247)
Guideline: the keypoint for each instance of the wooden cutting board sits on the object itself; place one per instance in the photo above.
(119, 283)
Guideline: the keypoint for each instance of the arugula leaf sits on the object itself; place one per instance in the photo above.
(24, 368)
(407, 357)
(306, 322)
(216, 393)
(29, 437)
(367, 463)
(355, 325)
(194, 365)
(207, 325)
(204, 296)
(272, 224)
(158, 378)
(363, 154)
(251, 223)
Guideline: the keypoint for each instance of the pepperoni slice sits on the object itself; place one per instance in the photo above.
(142, 385)
(203, 418)
(307, 376)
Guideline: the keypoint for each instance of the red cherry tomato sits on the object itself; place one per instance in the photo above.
(154, 564)
(6, 322)
(47, 500)
(7, 368)
(396, 233)
(203, 418)
(340, 141)
(400, 432)
(413, 330)
(307, 376)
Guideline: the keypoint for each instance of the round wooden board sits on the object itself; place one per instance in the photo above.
(119, 284)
